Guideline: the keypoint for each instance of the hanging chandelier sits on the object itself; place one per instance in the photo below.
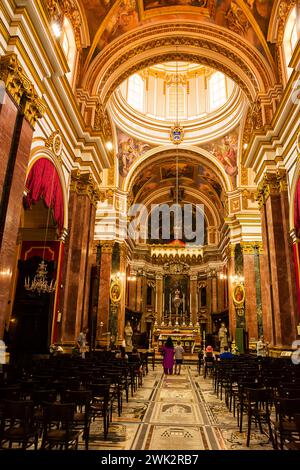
(40, 281)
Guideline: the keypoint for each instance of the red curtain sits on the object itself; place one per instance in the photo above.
(43, 183)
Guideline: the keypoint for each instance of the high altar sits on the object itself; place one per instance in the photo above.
(179, 317)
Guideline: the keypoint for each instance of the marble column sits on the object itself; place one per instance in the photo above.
(279, 301)
(79, 250)
(104, 291)
(193, 292)
(214, 292)
(121, 310)
(19, 112)
(251, 277)
(231, 307)
(159, 296)
(139, 286)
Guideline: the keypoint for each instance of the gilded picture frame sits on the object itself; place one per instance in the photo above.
(115, 292)
(238, 295)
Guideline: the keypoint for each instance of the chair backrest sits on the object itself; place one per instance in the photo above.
(79, 397)
(288, 407)
(22, 411)
(41, 396)
(59, 413)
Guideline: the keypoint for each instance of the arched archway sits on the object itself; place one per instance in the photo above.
(205, 44)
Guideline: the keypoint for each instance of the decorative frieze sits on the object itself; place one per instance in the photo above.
(107, 246)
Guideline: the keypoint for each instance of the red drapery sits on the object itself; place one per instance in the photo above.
(43, 183)
(296, 245)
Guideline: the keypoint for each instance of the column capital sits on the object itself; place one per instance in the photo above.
(251, 247)
(20, 88)
(271, 185)
(84, 184)
(229, 251)
(194, 278)
(107, 246)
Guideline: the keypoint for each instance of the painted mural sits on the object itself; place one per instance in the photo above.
(129, 149)
(150, 4)
(95, 11)
(226, 151)
(123, 19)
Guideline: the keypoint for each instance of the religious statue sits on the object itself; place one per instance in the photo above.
(128, 336)
(223, 337)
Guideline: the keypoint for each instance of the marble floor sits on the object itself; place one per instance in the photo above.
(175, 413)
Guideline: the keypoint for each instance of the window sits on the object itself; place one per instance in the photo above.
(217, 90)
(290, 39)
(135, 95)
(176, 100)
(68, 44)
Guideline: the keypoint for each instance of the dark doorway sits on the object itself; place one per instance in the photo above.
(31, 323)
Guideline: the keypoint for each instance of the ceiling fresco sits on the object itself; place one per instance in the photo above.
(225, 150)
(162, 175)
(129, 150)
(109, 19)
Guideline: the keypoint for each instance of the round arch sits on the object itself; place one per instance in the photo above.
(36, 155)
(184, 40)
(193, 153)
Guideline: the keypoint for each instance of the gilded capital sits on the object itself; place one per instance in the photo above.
(230, 251)
(84, 184)
(107, 246)
(250, 248)
(282, 180)
(20, 88)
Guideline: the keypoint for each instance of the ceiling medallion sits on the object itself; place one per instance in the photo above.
(176, 134)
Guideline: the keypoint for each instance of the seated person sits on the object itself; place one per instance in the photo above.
(226, 354)
(209, 360)
(121, 354)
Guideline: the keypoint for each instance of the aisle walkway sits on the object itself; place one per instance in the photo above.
(175, 412)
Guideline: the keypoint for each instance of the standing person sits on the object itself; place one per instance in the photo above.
(178, 357)
(261, 347)
(168, 353)
(81, 342)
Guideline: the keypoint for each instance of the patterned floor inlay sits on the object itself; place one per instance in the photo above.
(174, 413)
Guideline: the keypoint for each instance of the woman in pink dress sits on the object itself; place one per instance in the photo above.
(168, 353)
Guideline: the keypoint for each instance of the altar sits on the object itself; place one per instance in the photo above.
(189, 338)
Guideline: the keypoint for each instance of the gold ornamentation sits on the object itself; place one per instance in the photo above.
(115, 292)
(176, 134)
(282, 180)
(84, 184)
(55, 144)
(58, 9)
(284, 9)
(236, 20)
(270, 185)
(102, 122)
(20, 88)
(250, 248)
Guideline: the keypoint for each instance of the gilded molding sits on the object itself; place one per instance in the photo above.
(102, 122)
(284, 10)
(84, 184)
(20, 88)
(58, 9)
(282, 180)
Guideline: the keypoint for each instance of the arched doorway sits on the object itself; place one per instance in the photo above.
(34, 314)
